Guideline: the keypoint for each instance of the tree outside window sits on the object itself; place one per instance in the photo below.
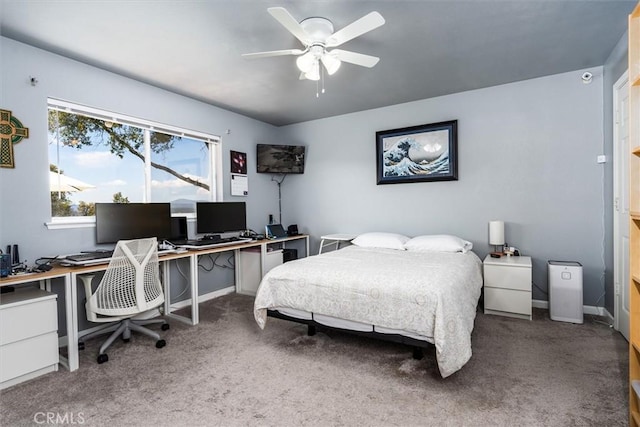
(122, 163)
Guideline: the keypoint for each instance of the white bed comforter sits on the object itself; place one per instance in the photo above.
(433, 294)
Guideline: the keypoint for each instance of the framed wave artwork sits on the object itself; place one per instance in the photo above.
(418, 153)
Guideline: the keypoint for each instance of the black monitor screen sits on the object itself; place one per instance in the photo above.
(126, 221)
(178, 228)
(221, 217)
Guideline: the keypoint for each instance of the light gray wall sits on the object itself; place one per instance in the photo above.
(614, 67)
(527, 155)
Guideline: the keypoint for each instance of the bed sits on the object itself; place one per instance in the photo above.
(422, 293)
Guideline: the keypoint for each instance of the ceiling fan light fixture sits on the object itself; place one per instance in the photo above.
(331, 63)
(316, 35)
(305, 62)
(314, 72)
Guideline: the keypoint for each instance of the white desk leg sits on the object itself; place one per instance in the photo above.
(167, 287)
(195, 317)
(263, 257)
(71, 305)
(319, 250)
(237, 278)
(166, 272)
(306, 240)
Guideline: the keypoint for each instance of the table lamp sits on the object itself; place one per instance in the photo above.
(496, 235)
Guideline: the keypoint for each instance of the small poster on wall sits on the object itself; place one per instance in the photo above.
(239, 180)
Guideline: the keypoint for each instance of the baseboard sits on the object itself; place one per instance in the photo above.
(537, 303)
(586, 309)
(63, 341)
(608, 317)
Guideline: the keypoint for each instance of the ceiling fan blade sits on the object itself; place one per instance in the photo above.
(290, 23)
(355, 58)
(273, 53)
(365, 24)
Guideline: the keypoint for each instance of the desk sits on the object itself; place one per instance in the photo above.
(70, 276)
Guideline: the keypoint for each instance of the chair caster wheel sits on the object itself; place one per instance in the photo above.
(160, 343)
(126, 339)
(81, 345)
(102, 358)
(165, 326)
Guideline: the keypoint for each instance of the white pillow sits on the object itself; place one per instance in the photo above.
(381, 240)
(438, 242)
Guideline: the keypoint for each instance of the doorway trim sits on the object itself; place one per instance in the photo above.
(617, 154)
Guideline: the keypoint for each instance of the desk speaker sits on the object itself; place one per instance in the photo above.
(5, 265)
(292, 230)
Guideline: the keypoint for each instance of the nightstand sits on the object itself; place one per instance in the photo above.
(334, 239)
(507, 286)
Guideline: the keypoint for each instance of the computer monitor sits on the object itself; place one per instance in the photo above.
(126, 221)
(221, 217)
(178, 228)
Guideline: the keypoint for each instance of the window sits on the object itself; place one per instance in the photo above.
(98, 156)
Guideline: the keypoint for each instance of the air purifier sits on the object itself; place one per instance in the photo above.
(565, 291)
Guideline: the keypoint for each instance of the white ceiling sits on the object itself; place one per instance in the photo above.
(426, 48)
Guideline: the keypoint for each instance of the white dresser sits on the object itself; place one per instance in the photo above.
(507, 286)
(28, 335)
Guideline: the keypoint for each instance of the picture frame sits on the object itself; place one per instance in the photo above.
(421, 153)
(238, 162)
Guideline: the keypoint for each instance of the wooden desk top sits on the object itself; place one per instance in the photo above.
(17, 279)
(244, 245)
(61, 271)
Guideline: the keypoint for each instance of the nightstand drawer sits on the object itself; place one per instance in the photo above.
(507, 277)
(507, 300)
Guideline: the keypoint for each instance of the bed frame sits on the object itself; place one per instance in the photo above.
(312, 327)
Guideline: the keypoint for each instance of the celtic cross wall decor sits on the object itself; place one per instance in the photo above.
(11, 132)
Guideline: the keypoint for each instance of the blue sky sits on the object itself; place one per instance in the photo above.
(97, 166)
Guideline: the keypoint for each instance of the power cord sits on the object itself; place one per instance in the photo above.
(44, 264)
(539, 288)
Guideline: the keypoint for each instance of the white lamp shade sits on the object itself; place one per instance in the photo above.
(496, 232)
(331, 63)
(306, 62)
(314, 72)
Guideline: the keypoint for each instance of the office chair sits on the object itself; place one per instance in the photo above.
(130, 286)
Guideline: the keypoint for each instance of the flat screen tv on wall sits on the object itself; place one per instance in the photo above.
(280, 159)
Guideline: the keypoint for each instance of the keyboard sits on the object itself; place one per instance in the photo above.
(89, 256)
(209, 243)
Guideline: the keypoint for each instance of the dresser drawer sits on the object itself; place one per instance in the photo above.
(19, 321)
(25, 356)
(507, 277)
(507, 300)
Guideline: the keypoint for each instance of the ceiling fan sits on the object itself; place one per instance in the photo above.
(317, 36)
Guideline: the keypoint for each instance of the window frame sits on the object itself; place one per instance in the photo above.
(214, 143)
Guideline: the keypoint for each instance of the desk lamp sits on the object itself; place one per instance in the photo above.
(496, 236)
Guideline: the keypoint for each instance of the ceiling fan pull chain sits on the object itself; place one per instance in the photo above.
(322, 77)
(317, 92)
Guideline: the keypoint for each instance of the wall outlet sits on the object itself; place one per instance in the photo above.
(601, 158)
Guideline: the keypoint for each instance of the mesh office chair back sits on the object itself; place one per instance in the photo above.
(131, 283)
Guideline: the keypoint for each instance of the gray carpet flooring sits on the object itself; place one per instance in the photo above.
(227, 372)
